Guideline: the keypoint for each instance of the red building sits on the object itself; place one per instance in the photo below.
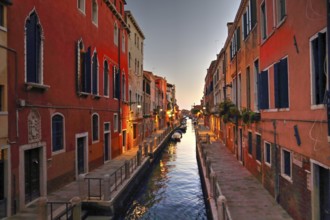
(67, 109)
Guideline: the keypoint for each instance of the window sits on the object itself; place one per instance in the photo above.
(233, 91)
(83, 69)
(106, 78)
(95, 73)
(239, 92)
(2, 93)
(248, 89)
(95, 127)
(263, 90)
(123, 43)
(123, 90)
(95, 12)
(81, 5)
(281, 10)
(249, 18)
(2, 15)
(258, 147)
(263, 21)
(34, 45)
(115, 35)
(116, 83)
(318, 64)
(286, 166)
(256, 74)
(281, 87)
(129, 59)
(250, 142)
(268, 153)
(235, 44)
(134, 131)
(57, 132)
(115, 121)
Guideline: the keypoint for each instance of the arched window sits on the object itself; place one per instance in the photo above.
(106, 78)
(33, 47)
(95, 127)
(94, 12)
(115, 34)
(95, 73)
(57, 132)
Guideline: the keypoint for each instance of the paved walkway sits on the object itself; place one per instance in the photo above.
(71, 190)
(246, 197)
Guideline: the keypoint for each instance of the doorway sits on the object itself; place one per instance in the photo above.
(107, 142)
(32, 174)
(81, 153)
(124, 140)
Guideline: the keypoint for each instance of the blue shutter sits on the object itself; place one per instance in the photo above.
(88, 70)
(95, 74)
(264, 100)
(277, 85)
(284, 87)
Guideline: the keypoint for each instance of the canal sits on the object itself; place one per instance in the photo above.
(172, 190)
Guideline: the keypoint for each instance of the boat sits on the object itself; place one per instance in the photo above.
(176, 136)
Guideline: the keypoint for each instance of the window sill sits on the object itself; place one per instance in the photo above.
(35, 86)
(288, 178)
(54, 153)
(281, 22)
(317, 107)
(82, 11)
(3, 113)
(4, 29)
(97, 97)
(268, 164)
(83, 94)
(95, 141)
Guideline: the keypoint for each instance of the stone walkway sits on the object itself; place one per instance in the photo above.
(246, 197)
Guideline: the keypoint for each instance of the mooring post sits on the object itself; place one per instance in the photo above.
(221, 204)
(76, 212)
(42, 212)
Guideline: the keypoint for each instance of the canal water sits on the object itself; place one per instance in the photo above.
(173, 188)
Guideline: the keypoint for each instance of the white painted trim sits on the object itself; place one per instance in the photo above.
(43, 171)
(83, 11)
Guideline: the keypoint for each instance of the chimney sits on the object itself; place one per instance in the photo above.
(229, 25)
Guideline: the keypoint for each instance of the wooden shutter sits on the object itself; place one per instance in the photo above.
(253, 13)
(95, 70)
(277, 85)
(88, 70)
(263, 90)
(32, 49)
(284, 86)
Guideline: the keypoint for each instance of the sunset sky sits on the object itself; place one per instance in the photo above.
(182, 38)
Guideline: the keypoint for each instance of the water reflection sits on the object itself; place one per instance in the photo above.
(173, 189)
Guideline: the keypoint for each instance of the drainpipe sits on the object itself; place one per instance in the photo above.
(276, 176)
(236, 120)
(119, 98)
(15, 88)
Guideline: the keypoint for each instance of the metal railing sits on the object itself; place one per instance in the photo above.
(65, 214)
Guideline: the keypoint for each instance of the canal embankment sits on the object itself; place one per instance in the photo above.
(101, 190)
(232, 191)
